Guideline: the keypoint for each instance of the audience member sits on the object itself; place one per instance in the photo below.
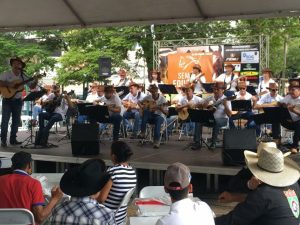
(83, 183)
(183, 210)
(276, 199)
(122, 179)
(20, 190)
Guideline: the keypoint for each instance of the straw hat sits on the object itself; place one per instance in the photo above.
(294, 83)
(17, 59)
(271, 167)
(273, 85)
(197, 66)
(152, 87)
(219, 85)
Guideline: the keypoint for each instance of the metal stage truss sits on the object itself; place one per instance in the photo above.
(262, 40)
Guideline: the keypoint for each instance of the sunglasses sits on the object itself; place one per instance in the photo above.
(242, 88)
(273, 89)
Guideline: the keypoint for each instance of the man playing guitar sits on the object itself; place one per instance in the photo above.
(222, 112)
(154, 111)
(56, 106)
(13, 105)
(292, 103)
(229, 78)
(131, 103)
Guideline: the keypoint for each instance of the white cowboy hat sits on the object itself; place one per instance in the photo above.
(272, 167)
(264, 145)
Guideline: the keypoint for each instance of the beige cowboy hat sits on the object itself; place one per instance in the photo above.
(272, 167)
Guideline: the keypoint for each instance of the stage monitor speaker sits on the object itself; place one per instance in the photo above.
(85, 139)
(104, 67)
(235, 142)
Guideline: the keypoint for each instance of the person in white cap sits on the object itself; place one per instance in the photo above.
(276, 200)
(183, 210)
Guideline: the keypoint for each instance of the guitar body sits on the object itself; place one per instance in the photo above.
(183, 114)
(9, 92)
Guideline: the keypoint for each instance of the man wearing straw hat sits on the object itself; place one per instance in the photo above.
(275, 201)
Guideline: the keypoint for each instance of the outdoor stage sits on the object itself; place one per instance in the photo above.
(155, 161)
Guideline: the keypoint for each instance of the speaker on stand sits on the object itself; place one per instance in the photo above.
(104, 67)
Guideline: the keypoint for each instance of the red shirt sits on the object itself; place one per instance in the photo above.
(20, 190)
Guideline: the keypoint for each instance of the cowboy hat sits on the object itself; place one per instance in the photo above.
(272, 168)
(272, 85)
(294, 83)
(264, 145)
(17, 59)
(267, 70)
(229, 65)
(86, 179)
(197, 66)
(219, 85)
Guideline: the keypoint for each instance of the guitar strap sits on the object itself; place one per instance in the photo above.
(231, 79)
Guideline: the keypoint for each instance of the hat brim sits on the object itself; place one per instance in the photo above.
(288, 176)
(70, 186)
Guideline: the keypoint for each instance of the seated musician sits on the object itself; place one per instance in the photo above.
(93, 94)
(91, 97)
(154, 111)
(123, 79)
(131, 103)
(56, 106)
(189, 100)
(221, 109)
(242, 94)
(114, 105)
(292, 102)
(270, 99)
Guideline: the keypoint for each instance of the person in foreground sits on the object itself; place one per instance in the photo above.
(83, 183)
(20, 190)
(122, 179)
(183, 210)
(276, 199)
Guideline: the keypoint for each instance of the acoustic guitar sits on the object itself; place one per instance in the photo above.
(10, 92)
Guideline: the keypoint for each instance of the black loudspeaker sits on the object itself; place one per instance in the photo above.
(235, 142)
(104, 67)
(85, 139)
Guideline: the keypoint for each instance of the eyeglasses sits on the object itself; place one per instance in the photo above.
(242, 88)
(273, 89)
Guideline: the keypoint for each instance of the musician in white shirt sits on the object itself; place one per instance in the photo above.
(13, 106)
(221, 111)
(154, 78)
(131, 102)
(197, 78)
(242, 94)
(264, 83)
(292, 102)
(270, 99)
(155, 113)
(229, 78)
(93, 95)
(123, 81)
(115, 109)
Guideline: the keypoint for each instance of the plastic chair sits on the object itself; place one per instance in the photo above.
(16, 216)
(152, 192)
(125, 201)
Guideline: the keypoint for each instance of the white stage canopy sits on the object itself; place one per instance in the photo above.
(20, 15)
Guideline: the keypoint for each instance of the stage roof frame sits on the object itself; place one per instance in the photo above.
(20, 15)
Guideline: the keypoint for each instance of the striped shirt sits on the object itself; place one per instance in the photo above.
(123, 178)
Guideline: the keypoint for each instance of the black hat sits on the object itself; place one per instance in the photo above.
(86, 179)
(20, 159)
(17, 59)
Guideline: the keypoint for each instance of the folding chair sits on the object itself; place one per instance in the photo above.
(16, 216)
(152, 192)
(125, 201)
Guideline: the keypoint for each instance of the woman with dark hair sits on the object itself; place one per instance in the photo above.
(154, 78)
(122, 179)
